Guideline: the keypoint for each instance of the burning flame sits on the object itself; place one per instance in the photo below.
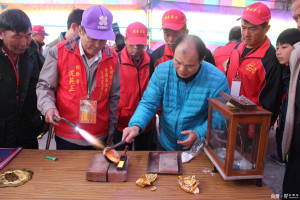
(90, 138)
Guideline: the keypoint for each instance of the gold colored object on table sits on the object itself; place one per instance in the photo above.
(15, 177)
(189, 184)
(146, 180)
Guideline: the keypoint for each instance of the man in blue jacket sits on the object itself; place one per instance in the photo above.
(181, 86)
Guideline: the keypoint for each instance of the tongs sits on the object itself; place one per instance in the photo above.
(116, 145)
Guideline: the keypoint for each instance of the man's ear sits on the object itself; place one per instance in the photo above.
(74, 27)
(267, 28)
(202, 60)
(80, 32)
(187, 31)
(125, 40)
(1, 34)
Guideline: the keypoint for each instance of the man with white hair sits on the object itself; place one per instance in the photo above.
(134, 78)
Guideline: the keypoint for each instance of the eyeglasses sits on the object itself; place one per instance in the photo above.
(94, 41)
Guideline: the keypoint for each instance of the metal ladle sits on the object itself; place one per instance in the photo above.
(111, 155)
(115, 146)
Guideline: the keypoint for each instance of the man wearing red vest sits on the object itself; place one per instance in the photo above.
(222, 53)
(173, 25)
(38, 34)
(80, 82)
(134, 78)
(254, 70)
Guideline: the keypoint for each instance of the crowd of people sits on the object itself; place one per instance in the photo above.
(116, 95)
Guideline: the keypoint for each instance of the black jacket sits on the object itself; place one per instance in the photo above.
(20, 120)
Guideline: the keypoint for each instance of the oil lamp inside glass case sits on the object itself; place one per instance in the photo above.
(237, 139)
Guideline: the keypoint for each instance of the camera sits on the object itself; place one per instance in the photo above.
(119, 37)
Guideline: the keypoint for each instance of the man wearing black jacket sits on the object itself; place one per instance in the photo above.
(21, 62)
(254, 70)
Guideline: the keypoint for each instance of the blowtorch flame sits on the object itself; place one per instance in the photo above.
(90, 138)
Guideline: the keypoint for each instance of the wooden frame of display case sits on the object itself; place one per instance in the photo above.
(260, 141)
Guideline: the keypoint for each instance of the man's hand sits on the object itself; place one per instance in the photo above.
(49, 116)
(130, 133)
(190, 140)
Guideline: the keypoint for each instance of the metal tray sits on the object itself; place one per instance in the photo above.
(153, 163)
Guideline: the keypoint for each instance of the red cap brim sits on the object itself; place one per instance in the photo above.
(172, 26)
(137, 40)
(252, 20)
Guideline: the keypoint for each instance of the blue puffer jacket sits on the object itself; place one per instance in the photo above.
(184, 105)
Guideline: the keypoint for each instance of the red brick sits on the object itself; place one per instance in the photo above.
(118, 176)
(98, 169)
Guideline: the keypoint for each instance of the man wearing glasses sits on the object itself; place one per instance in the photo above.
(80, 82)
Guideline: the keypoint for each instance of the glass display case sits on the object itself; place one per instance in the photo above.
(237, 140)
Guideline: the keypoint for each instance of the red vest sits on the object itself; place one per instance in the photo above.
(222, 55)
(72, 87)
(133, 83)
(250, 70)
(168, 55)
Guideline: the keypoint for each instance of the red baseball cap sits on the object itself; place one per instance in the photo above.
(256, 13)
(39, 29)
(173, 19)
(136, 33)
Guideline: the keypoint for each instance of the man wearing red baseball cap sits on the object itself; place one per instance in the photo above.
(38, 34)
(134, 78)
(173, 25)
(254, 70)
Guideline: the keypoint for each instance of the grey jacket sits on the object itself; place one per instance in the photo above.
(289, 124)
(48, 83)
(60, 38)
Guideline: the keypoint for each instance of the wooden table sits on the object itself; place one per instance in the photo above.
(66, 179)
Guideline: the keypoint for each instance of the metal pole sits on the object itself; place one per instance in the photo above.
(50, 133)
(149, 21)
